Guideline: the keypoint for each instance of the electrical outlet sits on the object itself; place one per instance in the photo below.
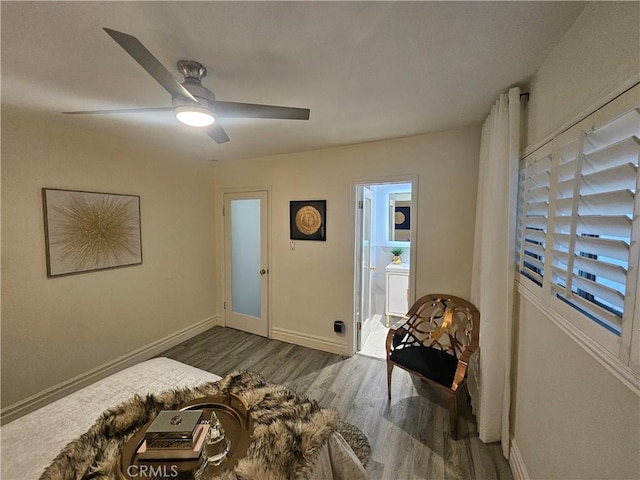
(292, 245)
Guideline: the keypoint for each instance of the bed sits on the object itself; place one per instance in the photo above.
(31, 442)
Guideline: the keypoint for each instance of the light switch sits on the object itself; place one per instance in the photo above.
(292, 245)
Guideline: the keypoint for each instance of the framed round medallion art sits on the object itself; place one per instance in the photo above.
(307, 219)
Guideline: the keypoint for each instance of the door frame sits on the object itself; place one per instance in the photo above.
(223, 242)
(413, 239)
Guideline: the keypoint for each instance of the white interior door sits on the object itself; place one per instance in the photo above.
(366, 265)
(246, 261)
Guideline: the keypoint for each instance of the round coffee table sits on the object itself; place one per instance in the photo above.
(237, 423)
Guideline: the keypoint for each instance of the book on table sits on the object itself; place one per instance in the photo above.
(146, 452)
(174, 434)
(174, 425)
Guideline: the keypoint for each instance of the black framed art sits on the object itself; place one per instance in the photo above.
(403, 218)
(307, 219)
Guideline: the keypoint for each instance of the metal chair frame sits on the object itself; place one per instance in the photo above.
(449, 323)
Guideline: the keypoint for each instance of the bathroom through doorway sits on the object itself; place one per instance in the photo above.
(384, 263)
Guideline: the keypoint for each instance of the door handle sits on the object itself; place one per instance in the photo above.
(372, 267)
(263, 271)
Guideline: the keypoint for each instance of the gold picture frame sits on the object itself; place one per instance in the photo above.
(89, 231)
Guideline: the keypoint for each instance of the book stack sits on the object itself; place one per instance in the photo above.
(174, 435)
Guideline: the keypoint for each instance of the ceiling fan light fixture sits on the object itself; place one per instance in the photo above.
(194, 115)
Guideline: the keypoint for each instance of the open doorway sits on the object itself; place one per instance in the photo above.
(384, 262)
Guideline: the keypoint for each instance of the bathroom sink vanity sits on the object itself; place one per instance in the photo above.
(397, 280)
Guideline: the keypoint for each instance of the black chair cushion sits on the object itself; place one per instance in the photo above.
(429, 362)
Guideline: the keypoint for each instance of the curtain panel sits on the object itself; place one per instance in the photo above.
(493, 275)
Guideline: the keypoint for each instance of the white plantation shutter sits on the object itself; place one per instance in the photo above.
(522, 175)
(564, 173)
(533, 211)
(595, 183)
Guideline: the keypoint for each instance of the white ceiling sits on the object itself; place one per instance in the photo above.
(367, 70)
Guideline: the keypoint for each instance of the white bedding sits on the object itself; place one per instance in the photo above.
(31, 442)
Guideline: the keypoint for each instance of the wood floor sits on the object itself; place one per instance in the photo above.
(409, 436)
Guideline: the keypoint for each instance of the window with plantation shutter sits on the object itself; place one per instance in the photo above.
(579, 227)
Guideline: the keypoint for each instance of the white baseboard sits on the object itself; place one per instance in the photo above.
(518, 468)
(141, 354)
(311, 341)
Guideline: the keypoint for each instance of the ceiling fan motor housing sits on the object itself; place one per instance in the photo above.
(193, 73)
(192, 69)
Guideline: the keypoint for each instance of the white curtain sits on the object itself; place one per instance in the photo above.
(492, 286)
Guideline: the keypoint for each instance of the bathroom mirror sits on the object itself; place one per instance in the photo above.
(400, 217)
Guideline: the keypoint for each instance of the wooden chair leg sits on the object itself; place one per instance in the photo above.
(389, 370)
(453, 415)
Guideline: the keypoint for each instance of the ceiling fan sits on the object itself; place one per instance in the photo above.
(193, 103)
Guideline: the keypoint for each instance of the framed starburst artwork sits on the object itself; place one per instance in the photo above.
(87, 231)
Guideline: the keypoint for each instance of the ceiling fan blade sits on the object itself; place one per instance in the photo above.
(254, 110)
(150, 63)
(216, 132)
(122, 110)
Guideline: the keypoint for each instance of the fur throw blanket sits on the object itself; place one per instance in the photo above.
(295, 428)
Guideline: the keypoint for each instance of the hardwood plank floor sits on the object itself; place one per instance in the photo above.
(409, 436)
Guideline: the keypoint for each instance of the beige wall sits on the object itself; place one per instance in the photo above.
(574, 419)
(313, 285)
(601, 50)
(571, 418)
(55, 329)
